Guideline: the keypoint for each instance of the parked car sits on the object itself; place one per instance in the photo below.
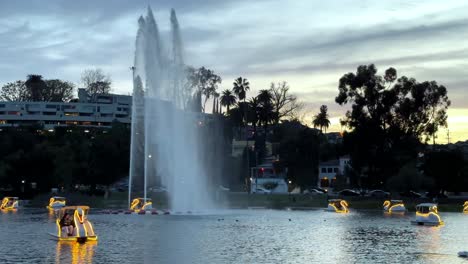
(320, 189)
(261, 190)
(348, 192)
(436, 195)
(313, 191)
(411, 194)
(379, 194)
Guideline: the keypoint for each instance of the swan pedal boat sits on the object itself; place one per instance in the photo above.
(394, 206)
(428, 215)
(9, 203)
(83, 229)
(338, 206)
(141, 205)
(57, 202)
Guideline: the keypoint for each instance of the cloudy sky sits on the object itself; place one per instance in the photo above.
(309, 44)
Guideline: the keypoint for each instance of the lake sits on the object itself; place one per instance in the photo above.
(238, 236)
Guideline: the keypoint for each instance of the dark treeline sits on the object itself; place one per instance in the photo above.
(65, 158)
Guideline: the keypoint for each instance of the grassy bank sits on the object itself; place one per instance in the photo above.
(119, 200)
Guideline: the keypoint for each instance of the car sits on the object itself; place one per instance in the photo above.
(436, 195)
(348, 192)
(157, 189)
(320, 189)
(411, 194)
(261, 190)
(313, 191)
(378, 194)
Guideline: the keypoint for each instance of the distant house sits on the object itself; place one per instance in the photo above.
(329, 169)
(334, 137)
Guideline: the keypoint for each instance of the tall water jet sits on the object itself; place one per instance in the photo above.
(167, 138)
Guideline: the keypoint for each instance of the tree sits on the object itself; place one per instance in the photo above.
(14, 91)
(389, 118)
(37, 89)
(228, 99)
(321, 119)
(415, 109)
(96, 82)
(205, 81)
(241, 86)
(284, 103)
(58, 91)
(36, 86)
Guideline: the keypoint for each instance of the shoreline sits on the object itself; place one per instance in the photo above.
(118, 200)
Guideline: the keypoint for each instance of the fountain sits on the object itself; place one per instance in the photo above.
(167, 140)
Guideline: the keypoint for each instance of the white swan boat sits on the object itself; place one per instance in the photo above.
(338, 206)
(394, 206)
(76, 229)
(9, 203)
(57, 202)
(427, 214)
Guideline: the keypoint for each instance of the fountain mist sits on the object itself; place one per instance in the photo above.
(167, 142)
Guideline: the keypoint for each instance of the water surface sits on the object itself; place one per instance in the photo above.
(238, 236)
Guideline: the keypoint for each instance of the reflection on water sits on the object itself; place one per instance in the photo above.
(75, 253)
(238, 236)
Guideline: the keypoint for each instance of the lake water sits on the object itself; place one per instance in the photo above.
(238, 236)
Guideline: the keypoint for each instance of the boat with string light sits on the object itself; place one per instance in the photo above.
(72, 224)
(428, 215)
(141, 205)
(394, 206)
(9, 203)
(338, 206)
(57, 202)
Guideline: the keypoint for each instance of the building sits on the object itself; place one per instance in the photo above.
(328, 171)
(91, 111)
(264, 177)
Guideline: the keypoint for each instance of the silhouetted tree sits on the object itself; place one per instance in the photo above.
(228, 99)
(284, 103)
(321, 119)
(36, 86)
(205, 81)
(96, 82)
(388, 117)
(14, 91)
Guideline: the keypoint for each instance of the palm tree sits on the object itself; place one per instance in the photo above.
(321, 119)
(36, 86)
(228, 99)
(253, 108)
(264, 97)
(241, 86)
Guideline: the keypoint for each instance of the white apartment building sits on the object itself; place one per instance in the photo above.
(101, 110)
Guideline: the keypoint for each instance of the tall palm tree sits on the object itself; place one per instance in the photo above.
(321, 119)
(253, 108)
(228, 99)
(241, 86)
(36, 86)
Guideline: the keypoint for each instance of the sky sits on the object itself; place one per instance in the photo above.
(308, 43)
